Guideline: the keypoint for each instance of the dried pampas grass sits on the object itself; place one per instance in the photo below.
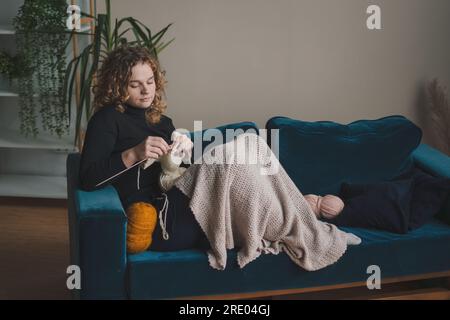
(439, 108)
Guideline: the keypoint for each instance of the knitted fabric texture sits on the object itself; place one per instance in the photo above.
(255, 207)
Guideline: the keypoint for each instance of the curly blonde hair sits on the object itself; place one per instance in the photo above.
(115, 73)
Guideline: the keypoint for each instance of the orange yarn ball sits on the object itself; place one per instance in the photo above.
(142, 218)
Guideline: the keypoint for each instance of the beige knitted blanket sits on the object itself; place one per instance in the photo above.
(255, 207)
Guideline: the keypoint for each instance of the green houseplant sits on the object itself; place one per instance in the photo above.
(107, 36)
(6, 64)
(13, 67)
(40, 66)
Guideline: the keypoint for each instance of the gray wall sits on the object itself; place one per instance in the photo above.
(236, 60)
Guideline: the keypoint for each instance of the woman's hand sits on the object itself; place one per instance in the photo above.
(181, 142)
(181, 148)
(151, 148)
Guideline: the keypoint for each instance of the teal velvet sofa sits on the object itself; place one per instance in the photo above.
(97, 225)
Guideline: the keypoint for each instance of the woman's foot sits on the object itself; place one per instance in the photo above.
(327, 207)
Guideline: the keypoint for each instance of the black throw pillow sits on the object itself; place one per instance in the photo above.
(429, 196)
(382, 206)
(403, 204)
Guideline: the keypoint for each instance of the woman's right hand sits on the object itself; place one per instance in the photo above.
(152, 147)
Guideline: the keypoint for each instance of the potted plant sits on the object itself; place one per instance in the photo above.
(107, 36)
(40, 67)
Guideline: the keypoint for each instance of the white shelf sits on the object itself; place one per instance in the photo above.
(33, 186)
(13, 139)
(4, 93)
(7, 29)
(29, 167)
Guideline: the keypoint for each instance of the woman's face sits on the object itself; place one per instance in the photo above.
(141, 87)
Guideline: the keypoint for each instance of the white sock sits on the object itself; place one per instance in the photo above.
(352, 239)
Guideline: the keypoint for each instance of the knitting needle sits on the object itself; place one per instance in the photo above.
(118, 174)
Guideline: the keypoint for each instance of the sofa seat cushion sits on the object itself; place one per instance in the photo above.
(154, 275)
(320, 156)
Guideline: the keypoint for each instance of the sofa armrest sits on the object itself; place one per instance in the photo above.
(97, 229)
(437, 164)
(101, 225)
(432, 161)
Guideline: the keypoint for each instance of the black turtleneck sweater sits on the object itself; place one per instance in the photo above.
(108, 134)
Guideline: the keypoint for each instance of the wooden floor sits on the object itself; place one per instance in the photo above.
(34, 249)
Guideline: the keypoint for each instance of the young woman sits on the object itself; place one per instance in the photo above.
(128, 126)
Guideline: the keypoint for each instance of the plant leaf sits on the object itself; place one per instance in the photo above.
(157, 37)
(65, 85)
(72, 78)
(83, 81)
(163, 46)
(137, 29)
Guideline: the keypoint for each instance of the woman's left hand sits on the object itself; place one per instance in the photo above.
(181, 142)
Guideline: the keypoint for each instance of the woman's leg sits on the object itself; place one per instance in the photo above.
(183, 230)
